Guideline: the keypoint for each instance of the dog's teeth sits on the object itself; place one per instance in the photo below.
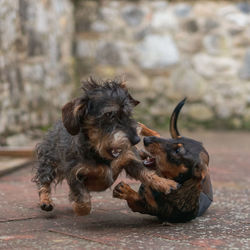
(116, 152)
(147, 160)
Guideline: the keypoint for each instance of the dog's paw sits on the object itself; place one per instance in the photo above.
(121, 190)
(82, 208)
(46, 207)
(173, 185)
(165, 185)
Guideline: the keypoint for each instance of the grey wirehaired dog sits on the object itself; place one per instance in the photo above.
(92, 144)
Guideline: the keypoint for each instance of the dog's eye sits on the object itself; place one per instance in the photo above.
(180, 150)
(108, 114)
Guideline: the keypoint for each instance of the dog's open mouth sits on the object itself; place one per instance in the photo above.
(115, 152)
(149, 162)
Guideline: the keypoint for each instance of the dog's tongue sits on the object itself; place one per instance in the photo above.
(149, 162)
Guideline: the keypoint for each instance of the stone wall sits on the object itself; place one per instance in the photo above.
(35, 62)
(168, 51)
(165, 51)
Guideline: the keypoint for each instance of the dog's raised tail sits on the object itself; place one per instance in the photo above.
(174, 117)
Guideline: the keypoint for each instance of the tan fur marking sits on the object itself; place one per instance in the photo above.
(76, 109)
(81, 209)
(150, 198)
(158, 183)
(44, 195)
(102, 143)
(145, 131)
(96, 178)
(123, 84)
(154, 149)
(203, 168)
(125, 158)
(166, 169)
(125, 192)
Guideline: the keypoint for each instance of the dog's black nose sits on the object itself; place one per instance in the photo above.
(135, 140)
(146, 141)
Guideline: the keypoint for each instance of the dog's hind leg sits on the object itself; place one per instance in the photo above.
(80, 196)
(45, 173)
(45, 198)
(44, 177)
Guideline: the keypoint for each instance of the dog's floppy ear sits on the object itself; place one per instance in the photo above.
(201, 168)
(72, 114)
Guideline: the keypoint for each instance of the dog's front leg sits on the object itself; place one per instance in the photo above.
(150, 178)
(80, 196)
(136, 169)
(118, 165)
(145, 204)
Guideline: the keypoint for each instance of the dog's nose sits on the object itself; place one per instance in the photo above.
(135, 140)
(146, 141)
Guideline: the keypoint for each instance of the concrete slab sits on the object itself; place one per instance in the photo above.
(111, 225)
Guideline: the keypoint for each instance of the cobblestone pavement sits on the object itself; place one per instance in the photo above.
(112, 225)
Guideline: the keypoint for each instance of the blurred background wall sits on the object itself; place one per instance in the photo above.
(165, 50)
(36, 40)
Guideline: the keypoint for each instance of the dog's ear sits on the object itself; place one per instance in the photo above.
(133, 101)
(201, 168)
(72, 114)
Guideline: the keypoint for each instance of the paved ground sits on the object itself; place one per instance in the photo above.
(112, 225)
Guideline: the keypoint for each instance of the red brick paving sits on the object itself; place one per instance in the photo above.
(112, 225)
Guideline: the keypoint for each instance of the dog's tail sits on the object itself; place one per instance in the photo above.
(174, 117)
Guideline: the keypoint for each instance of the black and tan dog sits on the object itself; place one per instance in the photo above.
(92, 144)
(182, 159)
